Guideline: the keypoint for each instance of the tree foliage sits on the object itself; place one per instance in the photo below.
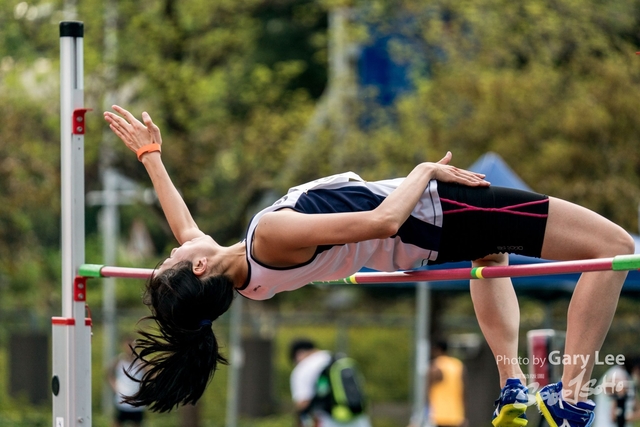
(552, 86)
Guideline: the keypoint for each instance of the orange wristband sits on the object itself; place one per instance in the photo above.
(147, 149)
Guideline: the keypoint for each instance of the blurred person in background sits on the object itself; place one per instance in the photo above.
(445, 388)
(617, 395)
(309, 364)
(445, 405)
(124, 377)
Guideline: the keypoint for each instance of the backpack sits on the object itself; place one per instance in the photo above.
(339, 390)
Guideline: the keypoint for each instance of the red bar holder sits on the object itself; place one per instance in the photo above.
(80, 289)
(78, 126)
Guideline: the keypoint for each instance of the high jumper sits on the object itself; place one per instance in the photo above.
(330, 228)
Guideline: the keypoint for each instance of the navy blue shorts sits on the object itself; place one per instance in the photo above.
(480, 221)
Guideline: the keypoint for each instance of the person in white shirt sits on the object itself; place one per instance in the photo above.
(124, 381)
(309, 363)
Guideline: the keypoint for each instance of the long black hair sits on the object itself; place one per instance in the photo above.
(179, 359)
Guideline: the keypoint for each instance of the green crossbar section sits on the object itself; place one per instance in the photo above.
(90, 270)
(626, 262)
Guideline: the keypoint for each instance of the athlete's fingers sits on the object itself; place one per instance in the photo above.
(114, 123)
(470, 174)
(116, 120)
(446, 159)
(118, 132)
(127, 115)
(112, 118)
(462, 176)
(146, 119)
(120, 128)
(153, 129)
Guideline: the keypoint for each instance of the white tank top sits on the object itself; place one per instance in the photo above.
(417, 240)
(125, 386)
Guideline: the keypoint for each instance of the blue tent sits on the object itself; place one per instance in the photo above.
(499, 173)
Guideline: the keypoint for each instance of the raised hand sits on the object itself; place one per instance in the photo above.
(130, 130)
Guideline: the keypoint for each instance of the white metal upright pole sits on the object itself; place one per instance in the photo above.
(71, 381)
(237, 362)
(422, 354)
(110, 212)
(72, 157)
(110, 228)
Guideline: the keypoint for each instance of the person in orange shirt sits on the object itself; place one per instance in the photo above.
(446, 388)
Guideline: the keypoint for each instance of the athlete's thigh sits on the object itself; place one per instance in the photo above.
(575, 232)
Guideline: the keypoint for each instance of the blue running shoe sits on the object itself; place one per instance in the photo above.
(559, 413)
(511, 405)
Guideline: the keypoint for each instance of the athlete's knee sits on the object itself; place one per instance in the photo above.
(614, 241)
(490, 260)
(625, 243)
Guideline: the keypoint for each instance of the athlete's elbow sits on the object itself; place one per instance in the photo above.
(387, 227)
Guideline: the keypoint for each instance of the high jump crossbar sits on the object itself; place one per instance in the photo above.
(617, 263)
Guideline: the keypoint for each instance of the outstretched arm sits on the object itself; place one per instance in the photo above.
(136, 135)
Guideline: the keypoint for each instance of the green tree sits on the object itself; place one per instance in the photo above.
(224, 95)
(551, 86)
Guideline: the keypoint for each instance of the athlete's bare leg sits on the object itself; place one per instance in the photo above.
(574, 232)
(496, 306)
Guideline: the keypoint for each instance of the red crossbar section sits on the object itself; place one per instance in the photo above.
(126, 272)
(541, 269)
(69, 321)
(558, 267)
